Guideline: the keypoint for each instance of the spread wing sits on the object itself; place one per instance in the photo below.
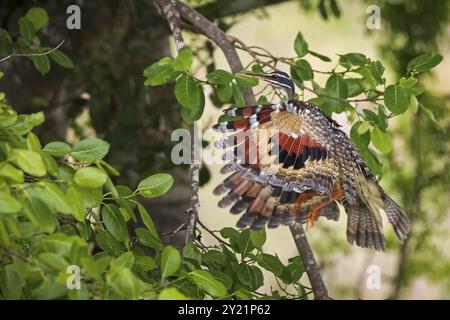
(281, 168)
(291, 163)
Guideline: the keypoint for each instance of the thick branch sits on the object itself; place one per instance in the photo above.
(220, 38)
(310, 263)
(219, 9)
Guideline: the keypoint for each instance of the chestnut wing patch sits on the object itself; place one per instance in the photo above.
(294, 151)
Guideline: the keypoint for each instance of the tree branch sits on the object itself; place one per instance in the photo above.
(172, 15)
(309, 261)
(183, 11)
(220, 38)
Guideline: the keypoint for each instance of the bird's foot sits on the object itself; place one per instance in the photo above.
(312, 218)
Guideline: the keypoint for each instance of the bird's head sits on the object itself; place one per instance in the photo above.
(277, 78)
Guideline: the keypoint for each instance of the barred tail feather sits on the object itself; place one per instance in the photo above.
(397, 217)
(363, 228)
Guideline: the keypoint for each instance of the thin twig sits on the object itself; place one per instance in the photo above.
(172, 14)
(211, 232)
(32, 54)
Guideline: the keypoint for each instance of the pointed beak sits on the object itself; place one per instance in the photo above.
(254, 75)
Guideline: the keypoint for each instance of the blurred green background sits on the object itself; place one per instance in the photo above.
(104, 96)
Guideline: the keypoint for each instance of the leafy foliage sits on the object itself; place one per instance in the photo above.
(59, 208)
(356, 78)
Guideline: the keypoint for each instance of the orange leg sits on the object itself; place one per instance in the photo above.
(314, 213)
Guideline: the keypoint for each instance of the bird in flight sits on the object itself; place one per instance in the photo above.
(290, 163)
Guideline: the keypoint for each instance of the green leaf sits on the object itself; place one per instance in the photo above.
(363, 127)
(270, 263)
(125, 260)
(29, 161)
(9, 171)
(160, 72)
(57, 149)
(234, 236)
(76, 201)
(207, 282)
(350, 60)
(188, 91)
(245, 243)
(354, 87)
(6, 45)
(191, 253)
(191, 115)
(9, 204)
(258, 238)
(26, 29)
(90, 150)
(124, 283)
(110, 185)
(38, 212)
(424, 62)
(396, 99)
(11, 284)
(369, 82)
(183, 61)
(244, 81)
(320, 56)
(372, 161)
(332, 105)
(377, 70)
(90, 177)
(250, 276)
(237, 96)
(360, 141)
(408, 83)
(41, 63)
(220, 76)
(170, 261)
(38, 17)
(155, 185)
(147, 220)
(214, 259)
(336, 86)
(302, 69)
(52, 196)
(382, 119)
(108, 243)
(335, 8)
(33, 143)
(62, 59)
(300, 45)
(115, 223)
(224, 92)
(381, 140)
(8, 117)
(53, 261)
(430, 115)
(171, 294)
(144, 263)
(148, 239)
(293, 272)
(109, 167)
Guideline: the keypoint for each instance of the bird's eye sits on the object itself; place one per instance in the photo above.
(274, 76)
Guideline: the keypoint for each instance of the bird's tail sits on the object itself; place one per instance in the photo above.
(396, 217)
(364, 225)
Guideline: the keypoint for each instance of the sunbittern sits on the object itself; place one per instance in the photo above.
(300, 171)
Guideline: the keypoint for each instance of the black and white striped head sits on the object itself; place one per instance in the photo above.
(279, 79)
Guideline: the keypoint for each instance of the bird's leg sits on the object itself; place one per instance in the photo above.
(314, 213)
